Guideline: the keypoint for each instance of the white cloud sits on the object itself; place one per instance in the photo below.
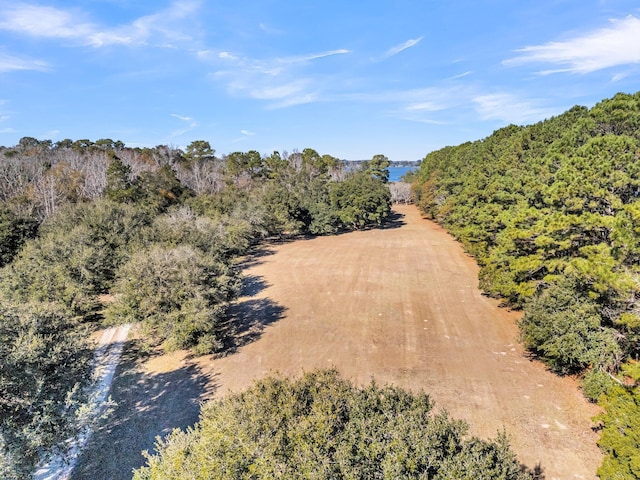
(180, 117)
(9, 63)
(461, 75)
(312, 56)
(227, 55)
(424, 107)
(615, 45)
(245, 136)
(4, 118)
(446, 104)
(399, 48)
(270, 30)
(511, 108)
(619, 76)
(49, 22)
(191, 124)
(271, 92)
(43, 21)
(281, 81)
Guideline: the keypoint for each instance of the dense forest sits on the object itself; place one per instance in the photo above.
(96, 233)
(551, 212)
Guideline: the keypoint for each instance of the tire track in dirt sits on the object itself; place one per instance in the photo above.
(402, 305)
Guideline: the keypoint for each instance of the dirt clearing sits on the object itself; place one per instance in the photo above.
(402, 305)
(399, 304)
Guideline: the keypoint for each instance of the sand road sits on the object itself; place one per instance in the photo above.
(106, 359)
(402, 305)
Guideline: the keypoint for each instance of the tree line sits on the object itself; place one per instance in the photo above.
(551, 212)
(95, 233)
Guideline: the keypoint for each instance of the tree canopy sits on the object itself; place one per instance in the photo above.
(93, 233)
(551, 212)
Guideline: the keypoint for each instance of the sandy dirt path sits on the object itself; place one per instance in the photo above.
(402, 305)
(106, 359)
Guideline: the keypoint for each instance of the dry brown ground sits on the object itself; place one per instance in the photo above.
(402, 305)
(399, 304)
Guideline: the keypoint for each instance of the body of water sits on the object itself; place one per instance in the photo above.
(396, 173)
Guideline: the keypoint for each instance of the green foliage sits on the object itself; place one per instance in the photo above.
(564, 328)
(157, 191)
(52, 269)
(378, 168)
(75, 257)
(284, 212)
(14, 232)
(620, 437)
(120, 187)
(244, 165)
(199, 150)
(537, 203)
(320, 427)
(163, 253)
(179, 294)
(361, 201)
(552, 213)
(225, 237)
(44, 361)
(596, 383)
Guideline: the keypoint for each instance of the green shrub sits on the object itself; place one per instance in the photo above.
(44, 362)
(179, 294)
(596, 383)
(322, 427)
(563, 326)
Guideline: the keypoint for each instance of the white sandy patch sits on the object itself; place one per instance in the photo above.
(106, 360)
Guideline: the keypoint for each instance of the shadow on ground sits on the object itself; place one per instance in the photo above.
(537, 473)
(249, 317)
(256, 255)
(395, 220)
(148, 405)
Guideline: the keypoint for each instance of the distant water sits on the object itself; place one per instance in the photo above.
(396, 173)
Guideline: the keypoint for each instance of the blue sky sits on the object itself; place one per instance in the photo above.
(350, 79)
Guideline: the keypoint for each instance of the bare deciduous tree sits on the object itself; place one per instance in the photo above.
(401, 192)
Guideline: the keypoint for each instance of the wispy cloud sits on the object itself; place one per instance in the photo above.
(615, 45)
(270, 30)
(43, 21)
(51, 22)
(511, 108)
(461, 75)
(10, 63)
(191, 124)
(245, 136)
(620, 76)
(431, 105)
(446, 104)
(311, 56)
(281, 81)
(403, 46)
(180, 117)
